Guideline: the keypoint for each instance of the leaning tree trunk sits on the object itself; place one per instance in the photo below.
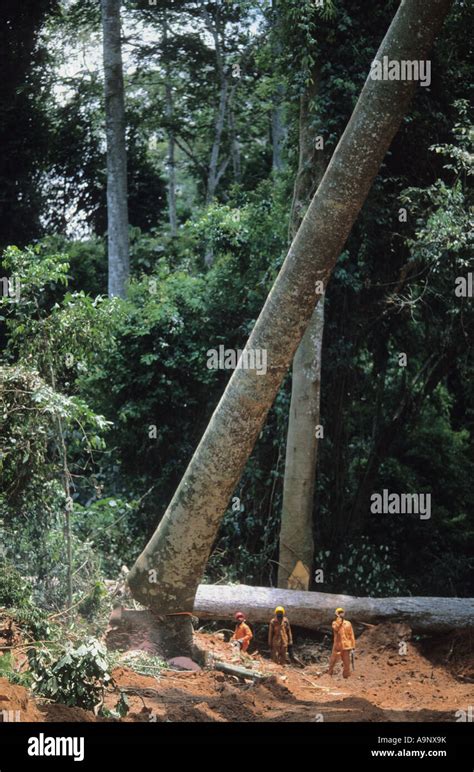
(117, 207)
(314, 610)
(167, 573)
(296, 529)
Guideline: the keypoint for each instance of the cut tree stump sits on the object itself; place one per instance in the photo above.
(315, 610)
(142, 630)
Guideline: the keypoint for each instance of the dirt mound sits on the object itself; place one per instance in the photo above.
(384, 637)
(455, 653)
(16, 703)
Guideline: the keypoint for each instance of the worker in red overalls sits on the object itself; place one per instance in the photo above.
(242, 634)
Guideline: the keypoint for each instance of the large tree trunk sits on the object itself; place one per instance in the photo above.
(167, 573)
(117, 207)
(296, 530)
(314, 610)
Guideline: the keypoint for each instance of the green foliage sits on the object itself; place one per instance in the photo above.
(36, 622)
(93, 603)
(110, 526)
(14, 590)
(16, 594)
(77, 676)
(9, 671)
(361, 568)
(31, 409)
(26, 123)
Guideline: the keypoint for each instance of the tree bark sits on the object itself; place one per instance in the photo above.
(167, 573)
(240, 672)
(314, 610)
(117, 205)
(296, 530)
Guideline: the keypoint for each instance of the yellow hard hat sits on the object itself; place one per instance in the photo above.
(339, 611)
(279, 610)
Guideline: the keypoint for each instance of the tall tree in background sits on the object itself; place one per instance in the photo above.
(216, 27)
(177, 553)
(117, 208)
(171, 155)
(296, 530)
(278, 124)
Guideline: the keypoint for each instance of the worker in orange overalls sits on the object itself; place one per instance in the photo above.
(344, 643)
(280, 638)
(242, 634)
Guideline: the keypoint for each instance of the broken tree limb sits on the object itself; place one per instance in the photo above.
(240, 672)
(314, 610)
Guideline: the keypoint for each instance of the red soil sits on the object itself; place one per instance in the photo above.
(429, 683)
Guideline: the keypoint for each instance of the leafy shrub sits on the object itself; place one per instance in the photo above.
(78, 677)
(93, 603)
(7, 670)
(36, 622)
(15, 592)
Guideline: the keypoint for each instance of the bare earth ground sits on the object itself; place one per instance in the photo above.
(430, 683)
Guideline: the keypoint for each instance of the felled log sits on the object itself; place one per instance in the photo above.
(315, 610)
(236, 670)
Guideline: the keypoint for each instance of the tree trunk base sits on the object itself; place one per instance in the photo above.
(166, 637)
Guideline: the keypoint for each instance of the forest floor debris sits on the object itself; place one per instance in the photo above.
(428, 683)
